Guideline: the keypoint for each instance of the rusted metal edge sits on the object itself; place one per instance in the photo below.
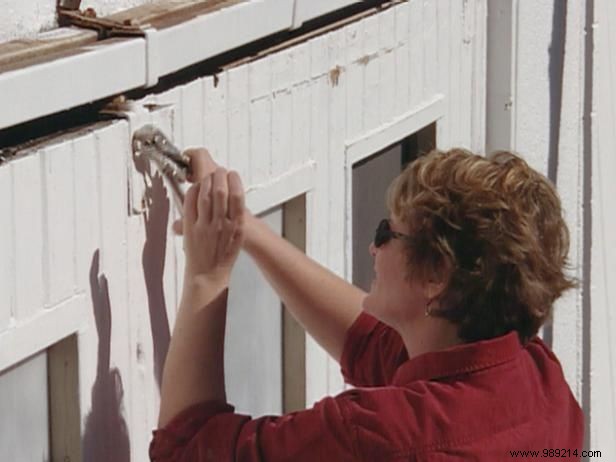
(127, 23)
(105, 27)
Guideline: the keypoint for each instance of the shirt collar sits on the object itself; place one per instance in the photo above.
(460, 359)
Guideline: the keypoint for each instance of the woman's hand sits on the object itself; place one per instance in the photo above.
(213, 229)
(201, 165)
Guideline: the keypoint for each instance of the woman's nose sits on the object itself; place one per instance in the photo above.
(372, 249)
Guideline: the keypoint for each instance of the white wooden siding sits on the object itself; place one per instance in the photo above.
(285, 121)
(603, 270)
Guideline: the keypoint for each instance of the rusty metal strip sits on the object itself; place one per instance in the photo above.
(104, 26)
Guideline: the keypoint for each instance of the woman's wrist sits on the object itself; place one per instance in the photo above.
(200, 290)
(251, 231)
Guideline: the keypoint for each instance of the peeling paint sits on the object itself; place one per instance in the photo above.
(334, 75)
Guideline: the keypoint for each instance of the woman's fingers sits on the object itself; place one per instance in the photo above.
(178, 227)
(236, 195)
(201, 164)
(190, 204)
(220, 194)
(204, 206)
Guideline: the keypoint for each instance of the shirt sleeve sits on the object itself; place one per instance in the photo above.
(211, 432)
(372, 352)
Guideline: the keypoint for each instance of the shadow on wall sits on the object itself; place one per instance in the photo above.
(106, 433)
(153, 260)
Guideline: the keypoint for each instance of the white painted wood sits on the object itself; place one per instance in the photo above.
(402, 68)
(282, 188)
(400, 128)
(501, 75)
(87, 207)
(465, 82)
(96, 71)
(260, 89)
(59, 206)
(479, 79)
(29, 235)
(568, 311)
(430, 50)
(416, 51)
(112, 332)
(444, 125)
(7, 248)
(300, 138)
(40, 331)
(387, 64)
(211, 32)
(238, 121)
(306, 10)
(24, 411)
(354, 79)
(192, 115)
(282, 106)
(253, 343)
(215, 123)
(456, 100)
(371, 73)
(603, 257)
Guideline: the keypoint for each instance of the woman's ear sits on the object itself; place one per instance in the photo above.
(432, 289)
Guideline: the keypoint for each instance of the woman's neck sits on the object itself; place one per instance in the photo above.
(428, 334)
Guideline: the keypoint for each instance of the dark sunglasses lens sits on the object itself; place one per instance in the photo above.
(383, 233)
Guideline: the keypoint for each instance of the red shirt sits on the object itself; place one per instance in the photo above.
(476, 401)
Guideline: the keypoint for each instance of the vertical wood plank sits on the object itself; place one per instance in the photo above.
(443, 70)
(215, 120)
(282, 125)
(260, 90)
(354, 79)
(29, 232)
(87, 208)
(113, 328)
(191, 115)
(455, 69)
(430, 49)
(465, 89)
(402, 60)
(416, 52)
(372, 73)
(239, 121)
(7, 247)
(387, 62)
(300, 139)
(479, 78)
(88, 232)
(59, 205)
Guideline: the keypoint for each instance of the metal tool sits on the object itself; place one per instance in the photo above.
(172, 164)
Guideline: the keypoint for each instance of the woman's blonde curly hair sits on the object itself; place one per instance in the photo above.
(492, 228)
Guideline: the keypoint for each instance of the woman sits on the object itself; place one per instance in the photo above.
(443, 348)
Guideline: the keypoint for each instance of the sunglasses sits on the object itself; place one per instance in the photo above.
(384, 234)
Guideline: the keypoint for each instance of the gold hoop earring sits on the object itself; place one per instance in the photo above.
(427, 312)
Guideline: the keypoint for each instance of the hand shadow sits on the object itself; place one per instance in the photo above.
(153, 260)
(106, 433)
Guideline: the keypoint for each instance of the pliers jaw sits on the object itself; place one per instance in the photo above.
(150, 142)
